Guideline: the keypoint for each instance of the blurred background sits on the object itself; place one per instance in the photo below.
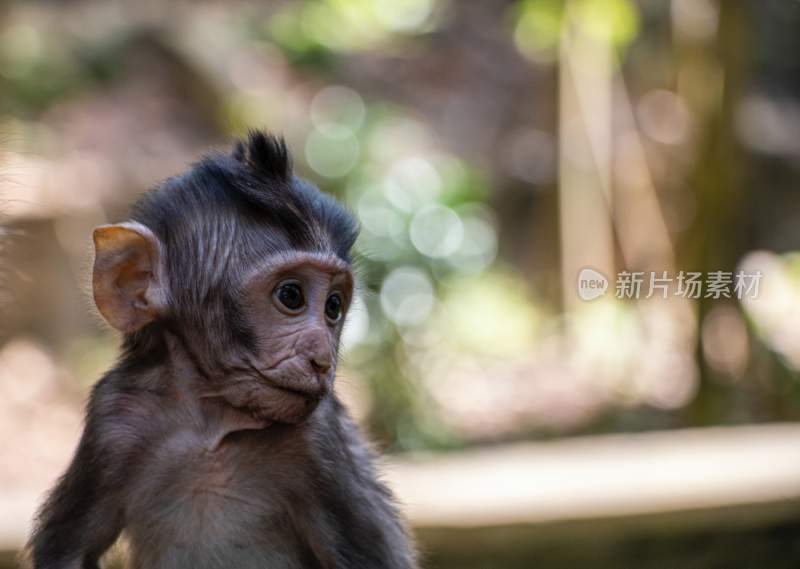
(490, 149)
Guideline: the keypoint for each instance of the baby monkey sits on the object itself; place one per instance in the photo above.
(216, 441)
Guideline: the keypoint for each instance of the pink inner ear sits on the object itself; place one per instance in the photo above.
(123, 273)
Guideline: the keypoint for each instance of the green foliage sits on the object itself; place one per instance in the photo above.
(539, 24)
(308, 31)
(36, 71)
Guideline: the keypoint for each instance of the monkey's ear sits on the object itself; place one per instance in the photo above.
(128, 281)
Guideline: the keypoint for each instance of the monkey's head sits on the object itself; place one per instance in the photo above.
(237, 273)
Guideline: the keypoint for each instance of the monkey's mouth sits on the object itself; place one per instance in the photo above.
(275, 403)
(279, 395)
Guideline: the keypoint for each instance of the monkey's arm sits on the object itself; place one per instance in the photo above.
(357, 525)
(82, 516)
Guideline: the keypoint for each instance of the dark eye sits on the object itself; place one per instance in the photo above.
(333, 307)
(290, 295)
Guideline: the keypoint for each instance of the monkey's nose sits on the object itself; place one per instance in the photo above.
(317, 349)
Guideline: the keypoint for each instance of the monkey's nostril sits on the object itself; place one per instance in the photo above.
(320, 366)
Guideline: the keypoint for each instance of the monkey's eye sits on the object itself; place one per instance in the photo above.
(333, 307)
(290, 295)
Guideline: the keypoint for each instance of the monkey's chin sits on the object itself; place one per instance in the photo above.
(279, 405)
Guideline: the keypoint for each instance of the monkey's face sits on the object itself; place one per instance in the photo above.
(237, 269)
(265, 339)
(294, 306)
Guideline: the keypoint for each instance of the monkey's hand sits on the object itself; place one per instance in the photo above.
(83, 515)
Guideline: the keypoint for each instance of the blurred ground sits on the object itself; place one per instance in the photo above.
(697, 498)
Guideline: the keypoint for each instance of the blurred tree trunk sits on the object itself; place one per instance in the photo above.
(718, 237)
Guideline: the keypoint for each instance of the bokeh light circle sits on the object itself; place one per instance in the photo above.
(403, 15)
(336, 109)
(412, 182)
(478, 248)
(407, 296)
(331, 156)
(436, 231)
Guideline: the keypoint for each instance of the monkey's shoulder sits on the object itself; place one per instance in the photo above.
(121, 417)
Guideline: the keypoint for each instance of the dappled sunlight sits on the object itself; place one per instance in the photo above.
(776, 311)
(514, 169)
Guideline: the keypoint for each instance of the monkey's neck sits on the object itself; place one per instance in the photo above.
(220, 420)
(188, 385)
